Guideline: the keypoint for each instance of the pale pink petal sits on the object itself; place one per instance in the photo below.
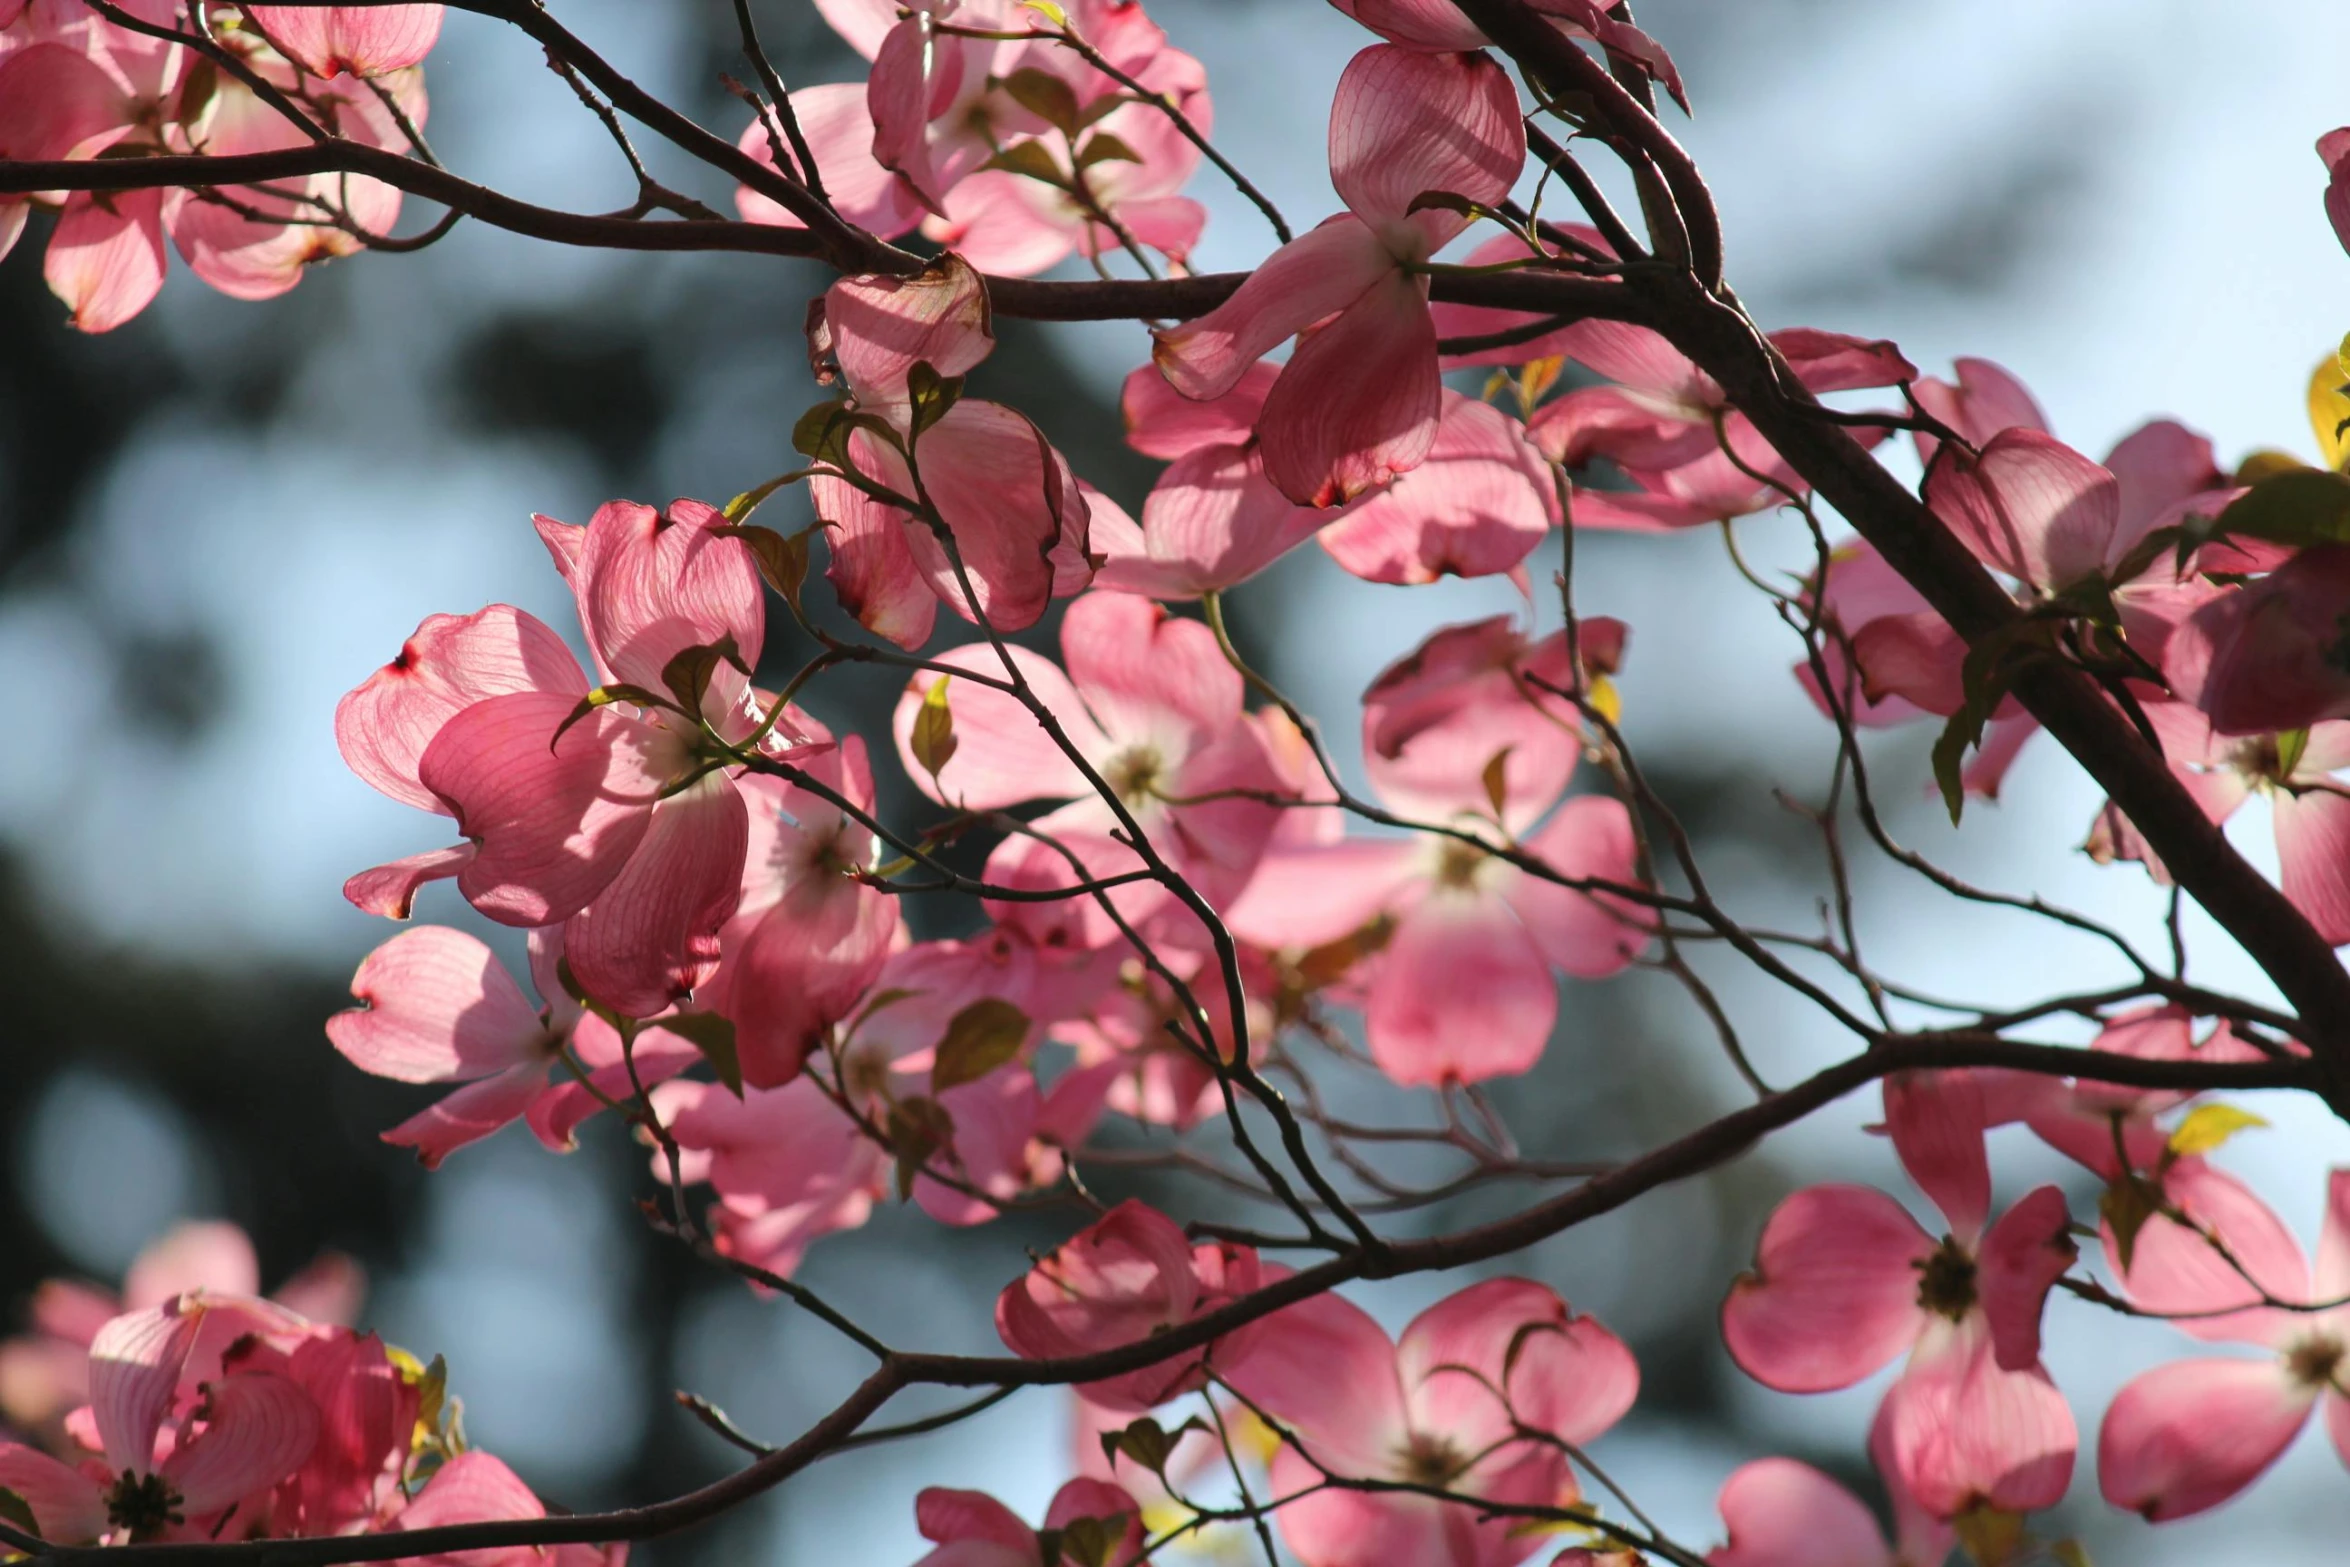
(1148, 677)
(652, 584)
(1985, 400)
(879, 327)
(106, 256)
(1780, 1513)
(2331, 1279)
(861, 23)
(2158, 465)
(1460, 994)
(1936, 1121)
(2313, 848)
(1405, 123)
(330, 1289)
(367, 40)
(1589, 837)
(1436, 718)
(1963, 1433)
(1307, 896)
(2186, 1436)
(1002, 756)
(196, 1255)
(1162, 423)
(1212, 521)
(556, 818)
(995, 1121)
(1006, 224)
(1325, 1369)
(448, 663)
(390, 890)
(260, 1427)
(66, 1503)
(1013, 507)
(1358, 402)
(134, 1373)
(914, 69)
(1333, 1528)
(2029, 505)
(649, 939)
(1170, 225)
(1833, 1292)
(1313, 276)
(436, 1006)
(1478, 504)
(2021, 1259)
(471, 1113)
(839, 132)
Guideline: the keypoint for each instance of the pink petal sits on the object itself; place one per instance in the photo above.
(1329, 1528)
(1460, 994)
(260, 1427)
(788, 979)
(1307, 896)
(472, 1487)
(436, 1006)
(1213, 520)
(1565, 1374)
(1936, 1119)
(1962, 1433)
(2158, 465)
(872, 568)
(55, 103)
(2313, 848)
(1833, 1292)
(1837, 362)
(556, 818)
(1477, 505)
(106, 256)
(1784, 1514)
(471, 1113)
(2020, 1261)
(367, 40)
(2259, 660)
(1162, 423)
(1985, 400)
(1405, 123)
(1434, 25)
(946, 1516)
(1006, 224)
(879, 327)
(2173, 1269)
(1590, 938)
(2031, 506)
(1013, 507)
(193, 1255)
(448, 663)
(1359, 400)
(390, 890)
(2186, 1436)
(839, 131)
(1313, 276)
(1148, 677)
(2331, 1280)
(1325, 1369)
(66, 1504)
(1435, 719)
(135, 1372)
(653, 584)
(650, 938)
(1002, 757)
(913, 70)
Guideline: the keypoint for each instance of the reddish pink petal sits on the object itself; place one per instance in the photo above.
(2186, 1436)
(913, 69)
(472, 1487)
(446, 665)
(872, 568)
(106, 256)
(1936, 1119)
(1477, 505)
(1433, 25)
(1086, 1497)
(471, 1113)
(1315, 275)
(2259, 660)
(260, 1427)
(134, 1373)
(1013, 507)
(1435, 719)
(650, 938)
(787, 979)
(1002, 756)
(1162, 423)
(1962, 1433)
(66, 1503)
(1325, 1369)
(1359, 400)
(1836, 362)
(879, 327)
(1784, 1514)
(2031, 506)
(1985, 400)
(1405, 123)
(2174, 1269)
(947, 1516)
(436, 1006)
(367, 40)
(1460, 994)
(839, 131)
(1833, 1292)
(2313, 847)
(556, 818)
(1120, 1280)
(390, 890)
(653, 584)
(2020, 1261)
(1590, 938)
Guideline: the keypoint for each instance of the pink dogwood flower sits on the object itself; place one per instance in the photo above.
(1130, 1274)
(1154, 709)
(973, 1529)
(2188, 1435)
(1440, 1407)
(436, 1006)
(1845, 1280)
(1460, 986)
(1015, 514)
(1359, 400)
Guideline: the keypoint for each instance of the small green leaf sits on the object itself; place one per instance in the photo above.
(1046, 96)
(822, 433)
(931, 395)
(1088, 1542)
(1049, 11)
(713, 1036)
(2207, 1126)
(750, 500)
(1031, 159)
(1145, 1441)
(933, 740)
(917, 1128)
(980, 1038)
(2125, 1206)
(1102, 147)
(1496, 779)
(2299, 507)
(689, 671)
(2292, 745)
(783, 560)
(1985, 678)
(18, 1513)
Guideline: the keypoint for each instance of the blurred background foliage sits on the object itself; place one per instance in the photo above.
(217, 519)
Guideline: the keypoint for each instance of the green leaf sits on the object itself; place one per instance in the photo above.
(933, 740)
(689, 670)
(1496, 779)
(2208, 1126)
(1049, 11)
(2300, 507)
(2292, 745)
(917, 1128)
(1031, 159)
(1145, 1441)
(1087, 1542)
(750, 500)
(18, 1513)
(1985, 678)
(931, 394)
(713, 1036)
(2125, 1206)
(1102, 147)
(980, 1038)
(783, 561)
(1046, 96)
(822, 433)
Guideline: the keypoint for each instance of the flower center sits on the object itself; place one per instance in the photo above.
(1133, 775)
(142, 1504)
(1429, 1460)
(1946, 1281)
(2312, 1361)
(1457, 864)
(864, 1073)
